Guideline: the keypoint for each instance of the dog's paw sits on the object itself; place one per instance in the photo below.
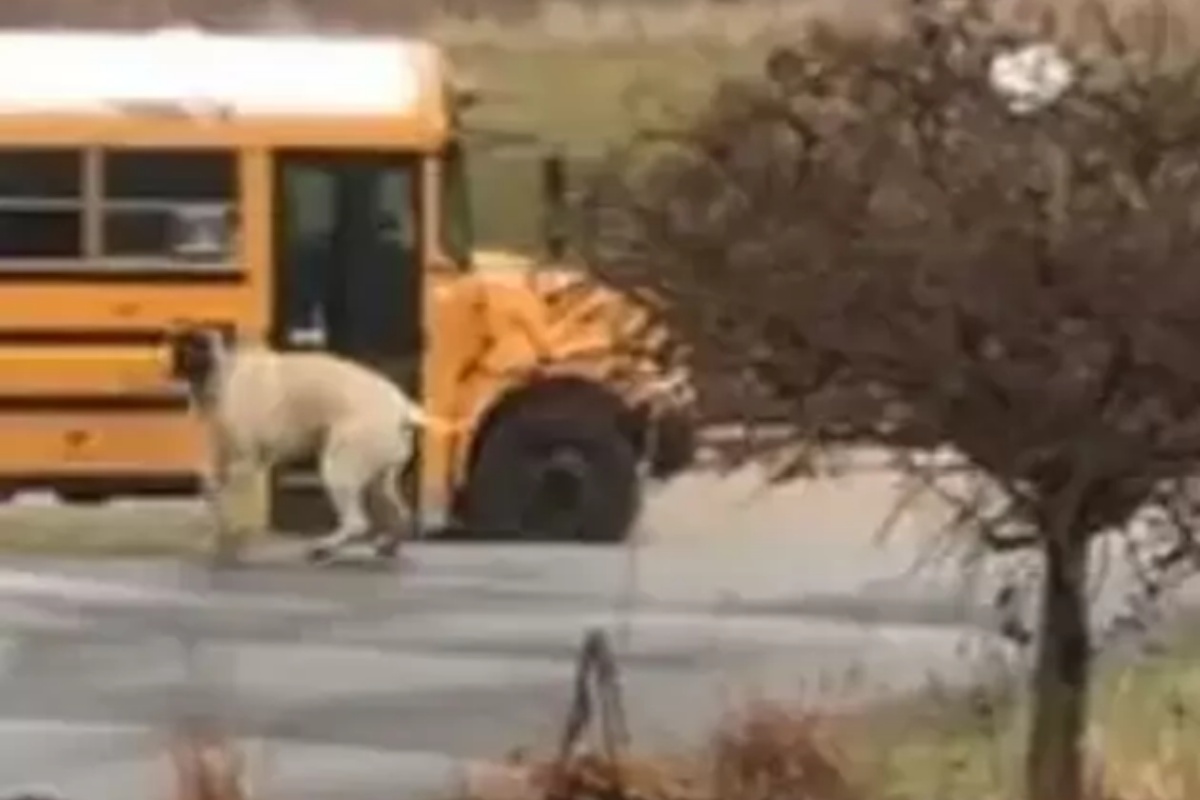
(386, 547)
(391, 552)
(220, 562)
(320, 554)
(224, 556)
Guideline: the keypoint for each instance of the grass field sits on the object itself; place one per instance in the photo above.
(110, 530)
(581, 98)
(1145, 733)
(583, 76)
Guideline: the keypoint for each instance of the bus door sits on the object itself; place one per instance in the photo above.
(348, 280)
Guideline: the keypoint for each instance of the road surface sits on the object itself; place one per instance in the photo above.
(360, 683)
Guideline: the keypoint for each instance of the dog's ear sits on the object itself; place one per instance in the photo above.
(220, 339)
(176, 342)
(193, 355)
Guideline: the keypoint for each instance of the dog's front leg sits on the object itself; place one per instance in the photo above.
(214, 483)
(227, 474)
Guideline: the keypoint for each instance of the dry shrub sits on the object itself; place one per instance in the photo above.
(590, 776)
(770, 752)
(763, 753)
(207, 766)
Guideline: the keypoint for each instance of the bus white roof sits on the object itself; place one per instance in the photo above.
(89, 72)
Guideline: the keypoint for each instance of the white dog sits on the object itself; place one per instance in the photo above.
(263, 407)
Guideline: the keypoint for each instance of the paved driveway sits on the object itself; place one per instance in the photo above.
(368, 684)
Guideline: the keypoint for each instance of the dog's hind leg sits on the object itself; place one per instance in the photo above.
(399, 522)
(345, 480)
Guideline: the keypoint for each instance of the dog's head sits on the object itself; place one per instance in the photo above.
(196, 356)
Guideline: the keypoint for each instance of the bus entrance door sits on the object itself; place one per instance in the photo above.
(347, 280)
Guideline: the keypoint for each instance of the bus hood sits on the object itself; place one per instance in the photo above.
(570, 321)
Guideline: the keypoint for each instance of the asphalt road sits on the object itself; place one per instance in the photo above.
(356, 682)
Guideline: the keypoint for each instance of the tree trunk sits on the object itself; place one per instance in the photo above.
(1055, 765)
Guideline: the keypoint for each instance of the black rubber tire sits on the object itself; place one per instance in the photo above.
(82, 497)
(504, 480)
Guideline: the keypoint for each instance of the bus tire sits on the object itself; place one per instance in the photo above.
(544, 477)
(82, 497)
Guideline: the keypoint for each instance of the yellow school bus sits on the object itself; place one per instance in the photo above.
(306, 192)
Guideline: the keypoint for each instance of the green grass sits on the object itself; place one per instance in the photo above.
(586, 75)
(116, 530)
(87, 531)
(589, 95)
(108, 530)
(1146, 730)
(581, 97)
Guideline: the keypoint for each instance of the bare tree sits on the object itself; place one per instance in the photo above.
(904, 243)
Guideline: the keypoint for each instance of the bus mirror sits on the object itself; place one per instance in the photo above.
(465, 93)
(443, 263)
(554, 203)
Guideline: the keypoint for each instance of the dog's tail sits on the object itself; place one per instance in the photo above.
(435, 423)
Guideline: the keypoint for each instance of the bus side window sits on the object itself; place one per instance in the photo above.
(178, 206)
(41, 204)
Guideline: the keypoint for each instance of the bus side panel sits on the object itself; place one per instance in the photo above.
(40, 445)
(27, 308)
(75, 371)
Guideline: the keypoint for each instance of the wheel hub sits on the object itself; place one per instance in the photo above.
(558, 494)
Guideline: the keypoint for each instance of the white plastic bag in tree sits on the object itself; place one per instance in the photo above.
(1032, 77)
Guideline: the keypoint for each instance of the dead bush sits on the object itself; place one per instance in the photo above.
(207, 766)
(761, 753)
(768, 752)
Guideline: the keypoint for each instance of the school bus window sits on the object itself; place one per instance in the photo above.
(170, 175)
(41, 204)
(172, 204)
(41, 174)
